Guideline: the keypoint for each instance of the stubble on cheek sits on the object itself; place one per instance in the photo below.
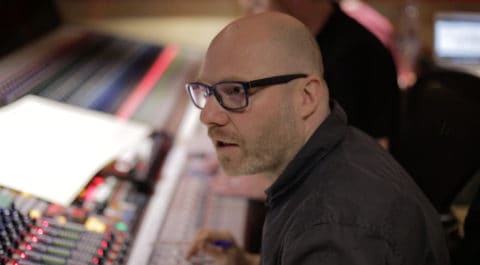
(266, 149)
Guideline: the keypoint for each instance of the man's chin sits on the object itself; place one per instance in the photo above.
(235, 167)
(232, 171)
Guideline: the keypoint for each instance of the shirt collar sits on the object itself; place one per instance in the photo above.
(330, 132)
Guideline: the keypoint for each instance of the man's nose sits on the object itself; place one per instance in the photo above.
(213, 113)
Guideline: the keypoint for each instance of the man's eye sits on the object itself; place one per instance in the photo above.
(233, 90)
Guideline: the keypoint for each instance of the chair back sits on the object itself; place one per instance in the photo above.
(437, 138)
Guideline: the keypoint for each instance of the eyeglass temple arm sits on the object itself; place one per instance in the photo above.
(275, 80)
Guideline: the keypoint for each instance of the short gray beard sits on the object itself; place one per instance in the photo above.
(273, 149)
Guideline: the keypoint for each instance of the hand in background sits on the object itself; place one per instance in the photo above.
(221, 246)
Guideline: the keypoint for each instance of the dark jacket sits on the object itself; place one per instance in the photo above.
(344, 200)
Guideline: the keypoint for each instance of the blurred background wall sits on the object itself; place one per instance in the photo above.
(208, 15)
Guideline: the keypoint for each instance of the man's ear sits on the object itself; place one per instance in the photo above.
(311, 93)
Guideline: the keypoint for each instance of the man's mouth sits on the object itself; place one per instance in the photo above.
(222, 144)
(222, 139)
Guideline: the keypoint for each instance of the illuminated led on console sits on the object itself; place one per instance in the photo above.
(35, 214)
(61, 219)
(121, 226)
(32, 238)
(40, 231)
(104, 244)
(45, 223)
(96, 225)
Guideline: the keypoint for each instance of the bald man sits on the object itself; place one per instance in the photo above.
(337, 197)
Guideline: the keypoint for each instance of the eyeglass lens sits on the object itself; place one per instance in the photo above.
(230, 95)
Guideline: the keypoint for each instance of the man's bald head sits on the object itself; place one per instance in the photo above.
(265, 44)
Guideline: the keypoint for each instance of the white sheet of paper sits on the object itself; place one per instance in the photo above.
(51, 150)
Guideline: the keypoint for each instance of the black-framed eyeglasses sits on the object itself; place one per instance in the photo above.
(233, 95)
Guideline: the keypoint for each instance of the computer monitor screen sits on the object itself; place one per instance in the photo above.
(457, 36)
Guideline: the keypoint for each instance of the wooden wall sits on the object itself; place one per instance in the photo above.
(82, 10)
(79, 9)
